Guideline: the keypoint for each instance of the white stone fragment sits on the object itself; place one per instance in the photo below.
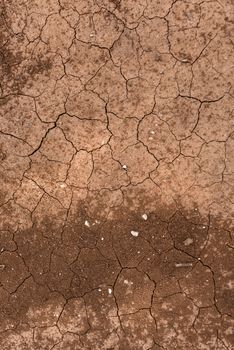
(109, 290)
(183, 264)
(135, 233)
(129, 283)
(144, 216)
(124, 167)
(87, 223)
(188, 241)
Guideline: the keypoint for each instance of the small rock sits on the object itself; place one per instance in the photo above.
(125, 167)
(135, 233)
(144, 216)
(109, 290)
(87, 223)
(188, 241)
(183, 264)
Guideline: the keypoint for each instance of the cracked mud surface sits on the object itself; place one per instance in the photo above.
(117, 174)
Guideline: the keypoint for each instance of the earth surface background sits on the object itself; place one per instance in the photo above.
(117, 174)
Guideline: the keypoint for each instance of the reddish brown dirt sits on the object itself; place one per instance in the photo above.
(117, 174)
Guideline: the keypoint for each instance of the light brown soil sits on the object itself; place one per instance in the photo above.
(117, 174)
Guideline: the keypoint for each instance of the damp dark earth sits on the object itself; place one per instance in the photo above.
(116, 175)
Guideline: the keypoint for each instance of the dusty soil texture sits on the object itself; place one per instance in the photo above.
(116, 174)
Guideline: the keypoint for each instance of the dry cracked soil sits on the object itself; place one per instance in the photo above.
(116, 174)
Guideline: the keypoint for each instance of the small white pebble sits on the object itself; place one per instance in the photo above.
(91, 34)
(124, 167)
(188, 241)
(87, 223)
(150, 138)
(135, 233)
(183, 264)
(152, 132)
(102, 238)
(99, 289)
(63, 185)
(109, 290)
(203, 226)
(145, 216)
